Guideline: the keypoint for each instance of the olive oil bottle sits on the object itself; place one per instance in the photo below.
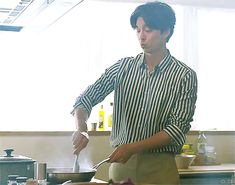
(110, 116)
(101, 119)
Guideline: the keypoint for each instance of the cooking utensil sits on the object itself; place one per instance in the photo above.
(101, 162)
(60, 175)
(76, 166)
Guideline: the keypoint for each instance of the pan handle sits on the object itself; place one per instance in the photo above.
(66, 182)
(101, 162)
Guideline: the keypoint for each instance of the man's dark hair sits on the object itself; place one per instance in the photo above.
(156, 15)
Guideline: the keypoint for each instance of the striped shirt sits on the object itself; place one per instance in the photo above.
(146, 103)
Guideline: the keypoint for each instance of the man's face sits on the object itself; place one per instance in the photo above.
(151, 41)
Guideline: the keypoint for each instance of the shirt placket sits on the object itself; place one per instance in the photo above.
(146, 99)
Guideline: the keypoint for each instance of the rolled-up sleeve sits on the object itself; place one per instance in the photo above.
(96, 92)
(184, 108)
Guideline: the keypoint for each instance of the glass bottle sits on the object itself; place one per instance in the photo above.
(110, 116)
(201, 143)
(101, 118)
(210, 155)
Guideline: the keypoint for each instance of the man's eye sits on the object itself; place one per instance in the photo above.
(148, 30)
(138, 30)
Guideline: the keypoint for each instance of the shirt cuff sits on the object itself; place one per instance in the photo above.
(178, 137)
(83, 102)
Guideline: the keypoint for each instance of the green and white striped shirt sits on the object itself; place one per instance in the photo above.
(146, 103)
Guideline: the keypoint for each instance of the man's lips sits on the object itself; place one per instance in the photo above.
(143, 45)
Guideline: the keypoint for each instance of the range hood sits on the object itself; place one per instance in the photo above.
(23, 15)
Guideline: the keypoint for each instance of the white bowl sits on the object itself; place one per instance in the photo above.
(183, 161)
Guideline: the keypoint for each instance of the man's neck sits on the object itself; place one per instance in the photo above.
(153, 59)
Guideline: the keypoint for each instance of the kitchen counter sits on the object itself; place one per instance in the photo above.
(208, 175)
(208, 168)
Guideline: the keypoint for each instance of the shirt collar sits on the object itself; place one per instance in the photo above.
(160, 67)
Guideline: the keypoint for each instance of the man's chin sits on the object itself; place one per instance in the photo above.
(143, 48)
(146, 50)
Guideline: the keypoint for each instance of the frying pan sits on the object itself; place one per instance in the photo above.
(60, 175)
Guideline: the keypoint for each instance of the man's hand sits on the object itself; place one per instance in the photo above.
(80, 137)
(80, 141)
(122, 153)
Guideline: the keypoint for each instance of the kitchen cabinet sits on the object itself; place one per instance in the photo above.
(208, 175)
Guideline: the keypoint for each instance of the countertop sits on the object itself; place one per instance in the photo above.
(221, 174)
(220, 168)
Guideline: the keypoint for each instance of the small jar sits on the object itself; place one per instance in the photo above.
(40, 173)
(21, 180)
(12, 179)
(210, 155)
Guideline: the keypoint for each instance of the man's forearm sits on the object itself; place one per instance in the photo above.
(156, 141)
(81, 117)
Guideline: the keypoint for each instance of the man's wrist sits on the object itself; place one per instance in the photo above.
(85, 134)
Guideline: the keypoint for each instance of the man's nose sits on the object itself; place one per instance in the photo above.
(142, 35)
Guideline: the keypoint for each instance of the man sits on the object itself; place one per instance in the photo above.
(154, 103)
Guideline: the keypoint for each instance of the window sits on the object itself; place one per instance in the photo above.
(215, 107)
(41, 74)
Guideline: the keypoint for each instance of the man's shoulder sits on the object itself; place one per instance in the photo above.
(125, 64)
(132, 58)
(182, 65)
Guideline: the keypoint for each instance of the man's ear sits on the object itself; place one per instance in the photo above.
(165, 34)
